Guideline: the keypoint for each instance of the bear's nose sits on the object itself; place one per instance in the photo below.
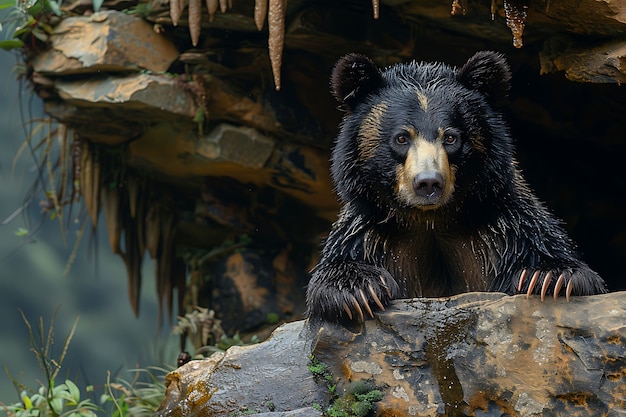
(428, 184)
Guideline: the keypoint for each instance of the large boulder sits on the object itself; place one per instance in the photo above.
(475, 354)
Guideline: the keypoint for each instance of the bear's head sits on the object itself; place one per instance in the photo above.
(421, 136)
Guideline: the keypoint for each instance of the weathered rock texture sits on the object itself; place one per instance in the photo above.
(196, 159)
(104, 41)
(476, 354)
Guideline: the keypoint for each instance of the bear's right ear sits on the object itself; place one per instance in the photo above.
(354, 76)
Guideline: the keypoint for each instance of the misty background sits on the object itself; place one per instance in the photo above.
(108, 337)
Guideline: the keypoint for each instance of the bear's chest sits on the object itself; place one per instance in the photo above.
(435, 264)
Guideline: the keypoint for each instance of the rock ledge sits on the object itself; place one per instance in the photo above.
(475, 354)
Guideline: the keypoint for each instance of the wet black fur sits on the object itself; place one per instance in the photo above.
(481, 240)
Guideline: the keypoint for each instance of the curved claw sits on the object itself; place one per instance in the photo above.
(357, 308)
(546, 284)
(568, 290)
(532, 283)
(385, 286)
(366, 304)
(347, 310)
(559, 284)
(375, 297)
(522, 277)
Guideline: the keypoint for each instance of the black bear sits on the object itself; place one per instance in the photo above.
(433, 203)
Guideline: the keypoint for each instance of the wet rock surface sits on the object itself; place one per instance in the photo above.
(475, 354)
(268, 377)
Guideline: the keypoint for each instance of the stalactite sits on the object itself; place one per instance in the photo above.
(212, 6)
(223, 6)
(260, 11)
(516, 12)
(175, 11)
(276, 41)
(459, 7)
(195, 20)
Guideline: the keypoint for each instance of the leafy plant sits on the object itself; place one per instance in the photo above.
(28, 20)
(358, 401)
(321, 371)
(61, 400)
(50, 399)
(31, 20)
(136, 398)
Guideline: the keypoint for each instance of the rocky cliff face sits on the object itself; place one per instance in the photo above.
(469, 355)
(182, 140)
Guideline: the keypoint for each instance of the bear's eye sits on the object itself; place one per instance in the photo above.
(401, 139)
(449, 139)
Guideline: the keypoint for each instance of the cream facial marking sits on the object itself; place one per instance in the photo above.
(424, 156)
(369, 133)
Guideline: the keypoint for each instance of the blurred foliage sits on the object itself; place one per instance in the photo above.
(201, 328)
(28, 21)
(61, 400)
(138, 398)
(57, 182)
(206, 334)
(31, 21)
(50, 399)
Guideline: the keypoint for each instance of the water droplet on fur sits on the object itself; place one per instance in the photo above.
(516, 12)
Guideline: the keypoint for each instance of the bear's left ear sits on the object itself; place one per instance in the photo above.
(354, 76)
(487, 72)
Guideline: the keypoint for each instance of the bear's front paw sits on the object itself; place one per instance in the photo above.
(350, 295)
(578, 281)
